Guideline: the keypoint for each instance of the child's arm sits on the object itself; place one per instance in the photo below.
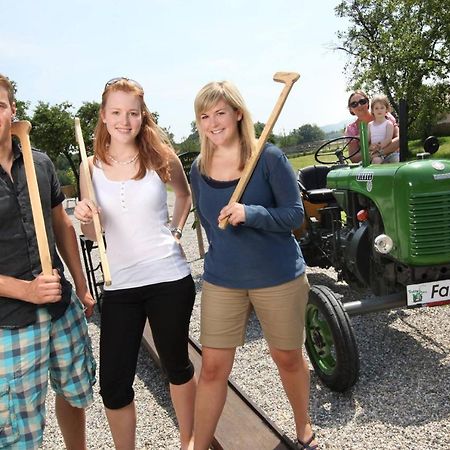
(372, 146)
(389, 135)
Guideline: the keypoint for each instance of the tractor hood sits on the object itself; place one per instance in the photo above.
(414, 202)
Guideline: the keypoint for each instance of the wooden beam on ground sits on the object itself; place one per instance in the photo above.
(242, 424)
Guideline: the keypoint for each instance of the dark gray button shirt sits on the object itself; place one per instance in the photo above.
(19, 255)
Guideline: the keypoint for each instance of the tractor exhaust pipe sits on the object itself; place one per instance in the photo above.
(375, 304)
(403, 129)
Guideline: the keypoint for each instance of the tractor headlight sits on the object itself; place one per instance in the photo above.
(383, 244)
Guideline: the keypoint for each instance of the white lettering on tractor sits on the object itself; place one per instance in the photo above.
(364, 176)
(441, 176)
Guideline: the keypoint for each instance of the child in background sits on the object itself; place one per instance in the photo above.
(381, 130)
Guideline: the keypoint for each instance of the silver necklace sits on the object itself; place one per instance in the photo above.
(124, 163)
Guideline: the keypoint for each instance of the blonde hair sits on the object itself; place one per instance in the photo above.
(7, 85)
(380, 98)
(207, 98)
(155, 150)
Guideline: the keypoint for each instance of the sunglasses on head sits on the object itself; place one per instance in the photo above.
(361, 102)
(116, 80)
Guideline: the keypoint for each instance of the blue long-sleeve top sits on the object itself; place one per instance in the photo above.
(261, 252)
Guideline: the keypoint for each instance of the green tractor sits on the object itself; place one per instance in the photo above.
(385, 227)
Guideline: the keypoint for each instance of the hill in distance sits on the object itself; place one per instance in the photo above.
(339, 126)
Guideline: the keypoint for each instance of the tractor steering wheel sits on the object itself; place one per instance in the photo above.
(334, 150)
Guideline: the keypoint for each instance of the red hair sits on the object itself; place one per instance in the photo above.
(155, 150)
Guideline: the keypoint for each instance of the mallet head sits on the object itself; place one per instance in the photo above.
(20, 128)
(286, 77)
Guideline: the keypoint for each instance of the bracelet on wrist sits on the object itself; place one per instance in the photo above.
(176, 232)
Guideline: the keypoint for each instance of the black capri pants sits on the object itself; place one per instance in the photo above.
(168, 307)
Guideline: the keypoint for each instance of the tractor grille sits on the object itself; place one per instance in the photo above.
(429, 219)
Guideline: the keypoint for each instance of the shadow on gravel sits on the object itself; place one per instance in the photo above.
(155, 381)
(340, 287)
(198, 281)
(404, 376)
(254, 331)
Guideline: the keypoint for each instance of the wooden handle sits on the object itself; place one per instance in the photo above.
(288, 78)
(21, 129)
(91, 196)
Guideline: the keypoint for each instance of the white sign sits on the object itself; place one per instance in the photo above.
(426, 293)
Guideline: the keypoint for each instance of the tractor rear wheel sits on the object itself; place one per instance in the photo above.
(330, 341)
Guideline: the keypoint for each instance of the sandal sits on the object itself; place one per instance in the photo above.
(305, 445)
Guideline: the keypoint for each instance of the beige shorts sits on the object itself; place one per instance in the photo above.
(280, 311)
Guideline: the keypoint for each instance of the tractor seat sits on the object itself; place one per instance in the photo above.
(312, 182)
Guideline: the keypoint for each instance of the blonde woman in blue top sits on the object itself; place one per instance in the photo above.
(254, 263)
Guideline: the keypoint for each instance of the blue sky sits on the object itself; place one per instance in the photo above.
(67, 50)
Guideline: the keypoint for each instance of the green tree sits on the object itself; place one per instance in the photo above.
(192, 142)
(309, 133)
(155, 116)
(259, 127)
(194, 130)
(53, 132)
(166, 130)
(88, 114)
(286, 140)
(170, 135)
(22, 110)
(400, 48)
(21, 106)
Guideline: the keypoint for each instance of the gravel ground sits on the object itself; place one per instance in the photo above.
(401, 401)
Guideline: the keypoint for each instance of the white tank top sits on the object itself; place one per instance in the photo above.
(140, 247)
(378, 132)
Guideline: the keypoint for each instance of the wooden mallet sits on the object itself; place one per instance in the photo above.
(288, 78)
(91, 196)
(21, 129)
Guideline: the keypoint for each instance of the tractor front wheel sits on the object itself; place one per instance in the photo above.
(330, 341)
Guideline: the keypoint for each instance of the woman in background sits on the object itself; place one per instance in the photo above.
(358, 105)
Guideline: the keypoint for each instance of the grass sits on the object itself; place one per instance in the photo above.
(442, 153)
(414, 146)
(302, 161)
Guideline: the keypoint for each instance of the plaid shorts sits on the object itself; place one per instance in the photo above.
(59, 350)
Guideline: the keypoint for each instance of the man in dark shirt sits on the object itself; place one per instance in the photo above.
(43, 329)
